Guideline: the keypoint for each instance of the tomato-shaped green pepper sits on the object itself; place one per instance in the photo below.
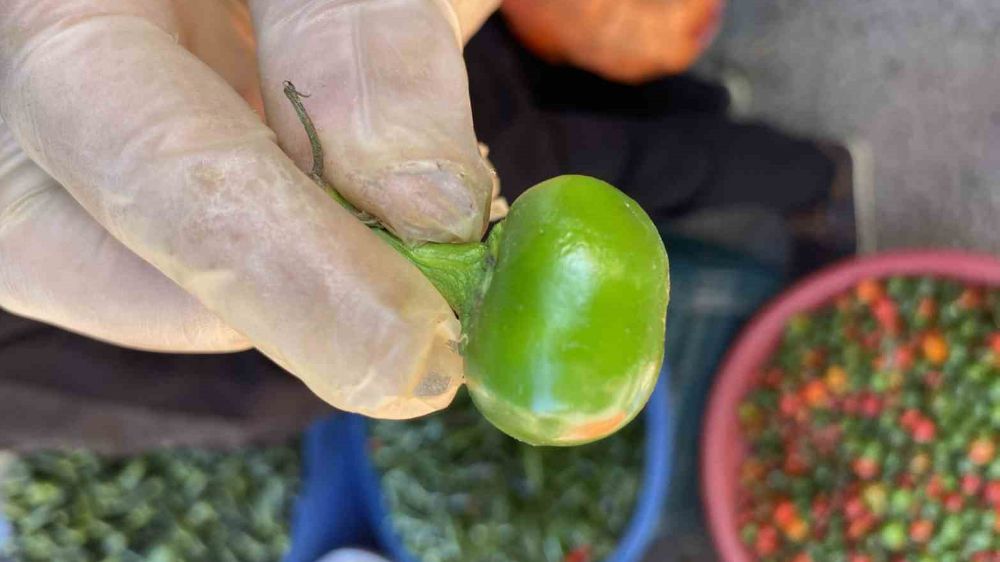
(567, 341)
(563, 310)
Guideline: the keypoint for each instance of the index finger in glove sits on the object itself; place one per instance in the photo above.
(389, 96)
(174, 164)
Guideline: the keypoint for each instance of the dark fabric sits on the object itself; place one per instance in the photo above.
(61, 389)
(668, 144)
(52, 359)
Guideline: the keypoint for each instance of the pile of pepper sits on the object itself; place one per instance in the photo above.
(165, 506)
(459, 490)
(873, 433)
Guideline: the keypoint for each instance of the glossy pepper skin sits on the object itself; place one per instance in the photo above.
(567, 342)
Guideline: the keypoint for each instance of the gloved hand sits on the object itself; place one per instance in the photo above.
(145, 202)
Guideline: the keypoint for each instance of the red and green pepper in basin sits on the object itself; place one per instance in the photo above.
(873, 433)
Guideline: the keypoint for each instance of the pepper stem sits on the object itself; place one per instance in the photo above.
(318, 170)
(460, 272)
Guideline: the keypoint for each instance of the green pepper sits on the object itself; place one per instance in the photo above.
(900, 501)
(893, 536)
(567, 343)
(563, 307)
(951, 530)
(563, 310)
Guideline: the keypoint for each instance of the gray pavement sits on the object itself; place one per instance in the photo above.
(915, 82)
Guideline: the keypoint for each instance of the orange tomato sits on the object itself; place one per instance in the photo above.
(627, 41)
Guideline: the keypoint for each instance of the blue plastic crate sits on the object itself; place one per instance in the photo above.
(713, 293)
(5, 532)
(341, 504)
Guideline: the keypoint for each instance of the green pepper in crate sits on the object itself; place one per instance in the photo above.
(165, 506)
(458, 490)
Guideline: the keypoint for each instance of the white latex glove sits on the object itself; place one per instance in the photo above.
(168, 217)
(351, 555)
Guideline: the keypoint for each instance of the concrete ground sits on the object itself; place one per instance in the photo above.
(914, 85)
